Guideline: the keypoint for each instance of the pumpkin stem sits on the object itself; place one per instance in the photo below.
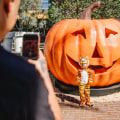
(87, 13)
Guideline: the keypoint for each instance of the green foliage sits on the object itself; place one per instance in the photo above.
(28, 22)
(30, 5)
(73, 8)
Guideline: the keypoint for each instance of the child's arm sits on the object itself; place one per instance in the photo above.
(78, 75)
(90, 77)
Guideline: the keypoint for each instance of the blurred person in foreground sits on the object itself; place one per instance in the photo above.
(26, 92)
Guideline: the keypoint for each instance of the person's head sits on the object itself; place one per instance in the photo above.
(84, 62)
(8, 15)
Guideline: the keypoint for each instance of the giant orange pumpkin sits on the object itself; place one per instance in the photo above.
(70, 39)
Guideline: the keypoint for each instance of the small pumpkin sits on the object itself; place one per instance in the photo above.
(70, 39)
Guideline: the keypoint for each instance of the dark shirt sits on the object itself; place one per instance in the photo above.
(23, 95)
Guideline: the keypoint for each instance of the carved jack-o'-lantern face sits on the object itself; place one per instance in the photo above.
(71, 39)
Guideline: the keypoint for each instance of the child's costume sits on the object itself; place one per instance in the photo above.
(84, 77)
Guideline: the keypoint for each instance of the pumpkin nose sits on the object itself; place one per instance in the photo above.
(100, 58)
(96, 54)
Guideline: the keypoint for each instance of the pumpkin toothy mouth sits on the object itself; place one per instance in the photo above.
(97, 68)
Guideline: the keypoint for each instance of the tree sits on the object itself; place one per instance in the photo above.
(26, 20)
(69, 9)
(28, 16)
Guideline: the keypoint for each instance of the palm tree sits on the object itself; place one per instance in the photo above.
(28, 15)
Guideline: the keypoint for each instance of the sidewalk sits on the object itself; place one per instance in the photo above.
(104, 109)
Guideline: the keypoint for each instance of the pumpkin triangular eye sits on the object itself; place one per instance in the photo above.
(108, 32)
(81, 32)
(96, 54)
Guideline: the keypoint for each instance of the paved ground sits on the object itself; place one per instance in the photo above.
(105, 108)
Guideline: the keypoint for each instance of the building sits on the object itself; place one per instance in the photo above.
(45, 4)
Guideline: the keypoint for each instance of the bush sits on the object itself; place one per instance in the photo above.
(73, 8)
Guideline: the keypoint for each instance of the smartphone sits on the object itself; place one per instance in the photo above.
(30, 47)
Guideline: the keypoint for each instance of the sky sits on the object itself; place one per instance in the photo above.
(45, 4)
